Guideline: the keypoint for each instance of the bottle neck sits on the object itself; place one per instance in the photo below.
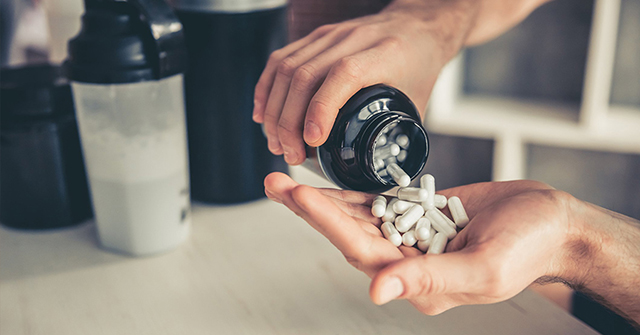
(387, 124)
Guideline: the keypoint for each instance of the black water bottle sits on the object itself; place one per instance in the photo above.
(228, 43)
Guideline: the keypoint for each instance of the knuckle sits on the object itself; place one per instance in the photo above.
(270, 119)
(304, 77)
(393, 42)
(318, 106)
(287, 66)
(323, 29)
(429, 285)
(350, 68)
(431, 310)
(362, 31)
(286, 128)
(275, 57)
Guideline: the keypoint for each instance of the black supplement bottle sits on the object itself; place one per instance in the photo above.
(228, 43)
(347, 157)
(43, 183)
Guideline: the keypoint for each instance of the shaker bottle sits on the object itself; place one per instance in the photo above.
(42, 178)
(228, 43)
(347, 157)
(126, 68)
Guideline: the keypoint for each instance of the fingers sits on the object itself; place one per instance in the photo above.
(346, 77)
(304, 76)
(292, 79)
(278, 187)
(330, 221)
(355, 204)
(428, 275)
(265, 82)
(353, 197)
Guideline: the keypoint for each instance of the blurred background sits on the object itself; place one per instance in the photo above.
(536, 76)
(512, 108)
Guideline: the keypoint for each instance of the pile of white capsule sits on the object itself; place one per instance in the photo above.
(413, 218)
(390, 149)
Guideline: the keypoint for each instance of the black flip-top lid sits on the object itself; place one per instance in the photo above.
(125, 41)
(34, 91)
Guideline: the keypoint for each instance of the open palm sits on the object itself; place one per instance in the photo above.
(515, 236)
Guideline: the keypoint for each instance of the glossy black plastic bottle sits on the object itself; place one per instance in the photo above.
(228, 43)
(346, 158)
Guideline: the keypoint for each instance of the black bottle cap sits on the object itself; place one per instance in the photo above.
(34, 91)
(126, 41)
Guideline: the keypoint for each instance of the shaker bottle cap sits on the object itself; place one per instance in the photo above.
(125, 42)
(34, 91)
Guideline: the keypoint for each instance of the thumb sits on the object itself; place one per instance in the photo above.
(425, 275)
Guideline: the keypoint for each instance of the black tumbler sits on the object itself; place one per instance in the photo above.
(42, 176)
(228, 43)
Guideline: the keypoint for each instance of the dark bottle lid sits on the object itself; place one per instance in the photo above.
(34, 91)
(346, 158)
(126, 41)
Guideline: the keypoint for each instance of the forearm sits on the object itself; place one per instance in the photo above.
(604, 257)
(468, 22)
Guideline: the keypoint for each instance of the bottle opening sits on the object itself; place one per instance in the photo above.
(399, 140)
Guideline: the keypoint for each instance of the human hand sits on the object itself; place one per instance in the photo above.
(517, 234)
(305, 83)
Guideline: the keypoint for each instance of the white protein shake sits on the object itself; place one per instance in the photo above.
(135, 151)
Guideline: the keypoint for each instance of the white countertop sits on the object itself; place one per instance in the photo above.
(254, 268)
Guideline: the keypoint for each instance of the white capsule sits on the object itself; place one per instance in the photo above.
(409, 218)
(409, 238)
(378, 164)
(402, 156)
(438, 244)
(379, 206)
(440, 201)
(428, 182)
(386, 151)
(457, 211)
(423, 245)
(401, 206)
(382, 173)
(399, 176)
(390, 160)
(423, 229)
(382, 140)
(389, 214)
(412, 194)
(439, 224)
(403, 141)
(391, 234)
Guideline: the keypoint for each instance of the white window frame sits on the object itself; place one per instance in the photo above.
(513, 123)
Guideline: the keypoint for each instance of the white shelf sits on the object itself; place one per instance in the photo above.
(539, 123)
(513, 123)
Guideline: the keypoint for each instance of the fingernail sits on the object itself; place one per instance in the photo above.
(256, 108)
(391, 289)
(272, 196)
(290, 156)
(274, 147)
(311, 132)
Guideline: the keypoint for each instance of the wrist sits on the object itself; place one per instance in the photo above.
(595, 247)
(448, 23)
